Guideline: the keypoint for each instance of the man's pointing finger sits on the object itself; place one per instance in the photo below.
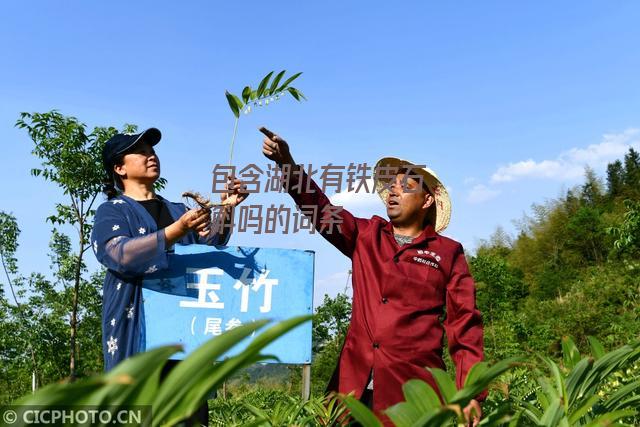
(267, 132)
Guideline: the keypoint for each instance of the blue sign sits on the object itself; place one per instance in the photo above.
(208, 290)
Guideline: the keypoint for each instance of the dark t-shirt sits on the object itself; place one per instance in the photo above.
(158, 212)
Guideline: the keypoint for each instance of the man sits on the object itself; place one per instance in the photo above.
(404, 275)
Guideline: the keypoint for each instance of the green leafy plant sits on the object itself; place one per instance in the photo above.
(628, 233)
(268, 91)
(423, 406)
(136, 381)
(266, 408)
(569, 395)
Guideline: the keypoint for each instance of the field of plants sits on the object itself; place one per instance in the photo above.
(560, 303)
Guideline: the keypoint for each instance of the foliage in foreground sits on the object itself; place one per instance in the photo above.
(571, 394)
(581, 391)
(136, 381)
(271, 408)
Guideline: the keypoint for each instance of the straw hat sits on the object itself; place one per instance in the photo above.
(442, 211)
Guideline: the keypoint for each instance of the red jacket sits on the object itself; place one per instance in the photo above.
(399, 296)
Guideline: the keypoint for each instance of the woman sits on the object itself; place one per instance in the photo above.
(133, 230)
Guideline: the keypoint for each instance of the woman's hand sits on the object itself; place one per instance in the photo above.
(195, 220)
(198, 220)
(236, 192)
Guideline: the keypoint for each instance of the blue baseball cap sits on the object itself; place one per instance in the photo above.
(123, 142)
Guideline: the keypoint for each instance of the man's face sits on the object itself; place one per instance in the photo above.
(407, 205)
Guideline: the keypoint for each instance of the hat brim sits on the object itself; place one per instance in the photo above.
(442, 214)
(151, 136)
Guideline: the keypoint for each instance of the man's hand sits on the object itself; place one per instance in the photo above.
(473, 413)
(275, 148)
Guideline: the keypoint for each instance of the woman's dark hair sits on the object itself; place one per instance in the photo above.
(112, 185)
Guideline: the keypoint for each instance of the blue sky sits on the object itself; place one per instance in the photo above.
(506, 101)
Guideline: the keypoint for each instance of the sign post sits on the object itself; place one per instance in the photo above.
(306, 381)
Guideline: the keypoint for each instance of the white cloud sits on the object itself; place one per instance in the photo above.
(469, 180)
(481, 193)
(361, 203)
(570, 164)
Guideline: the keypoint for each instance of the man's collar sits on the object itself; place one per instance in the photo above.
(428, 233)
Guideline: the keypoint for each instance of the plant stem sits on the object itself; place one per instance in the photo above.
(233, 140)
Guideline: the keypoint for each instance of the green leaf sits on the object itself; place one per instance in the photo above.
(288, 81)
(403, 414)
(296, 93)
(498, 416)
(143, 370)
(559, 380)
(301, 95)
(62, 394)
(608, 418)
(597, 349)
(246, 94)
(546, 394)
(263, 85)
(238, 102)
(360, 412)
(553, 414)
(577, 376)
(582, 410)
(479, 378)
(187, 384)
(616, 400)
(532, 416)
(420, 395)
(607, 364)
(570, 353)
(276, 80)
(232, 104)
(441, 418)
(476, 372)
(256, 411)
(179, 378)
(445, 384)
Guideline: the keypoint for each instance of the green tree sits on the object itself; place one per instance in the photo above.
(330, 326)
(70, 157)
(14, 318)
(592, 188)
(34, 321)
(500, 291)
(632, 171)
(615, 178)
(587, 234)
(331, 320)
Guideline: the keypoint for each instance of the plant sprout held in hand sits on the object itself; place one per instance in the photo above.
(268, 91)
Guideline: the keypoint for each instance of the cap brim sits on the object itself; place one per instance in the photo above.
(151, 136)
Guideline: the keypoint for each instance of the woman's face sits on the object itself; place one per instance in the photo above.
(141, 164)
